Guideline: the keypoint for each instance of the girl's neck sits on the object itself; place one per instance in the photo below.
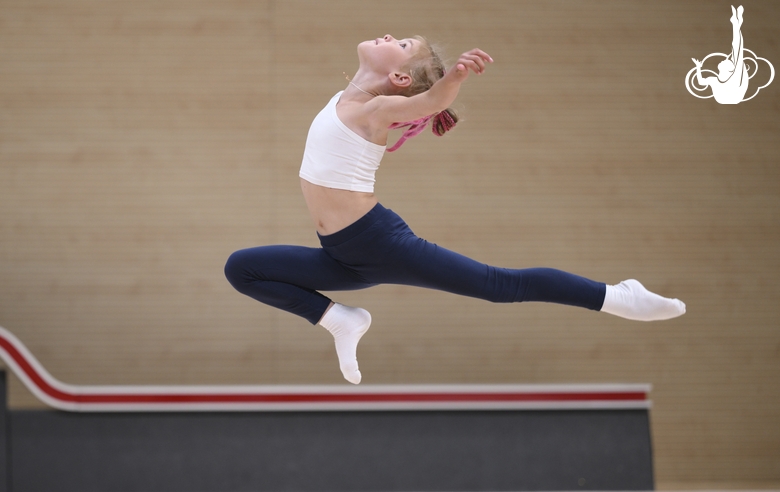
(361, 90)
(370, 82)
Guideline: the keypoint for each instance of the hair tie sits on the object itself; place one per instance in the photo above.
(442, 123)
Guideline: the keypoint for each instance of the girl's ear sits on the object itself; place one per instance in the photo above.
(400, 79)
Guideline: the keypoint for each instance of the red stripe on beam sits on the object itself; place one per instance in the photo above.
(31, 373)
(360, 398)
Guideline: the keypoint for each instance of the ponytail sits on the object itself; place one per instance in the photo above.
(444, 122)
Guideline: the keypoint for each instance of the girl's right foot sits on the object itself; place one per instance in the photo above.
(629, 299)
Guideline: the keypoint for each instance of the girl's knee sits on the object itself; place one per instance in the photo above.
(235, 268)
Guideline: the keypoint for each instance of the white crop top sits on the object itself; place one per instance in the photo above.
(337, 157)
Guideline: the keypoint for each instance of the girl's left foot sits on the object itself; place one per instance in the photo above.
(347, 325)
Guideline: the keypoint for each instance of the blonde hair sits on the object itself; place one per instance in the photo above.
(425, 68)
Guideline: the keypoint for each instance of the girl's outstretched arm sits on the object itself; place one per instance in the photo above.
(439, 97)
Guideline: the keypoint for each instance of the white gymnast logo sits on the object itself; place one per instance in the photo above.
(730, 84)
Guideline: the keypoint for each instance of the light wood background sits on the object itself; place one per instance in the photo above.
(142, 142)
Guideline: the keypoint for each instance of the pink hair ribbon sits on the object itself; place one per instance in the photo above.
(443, 122)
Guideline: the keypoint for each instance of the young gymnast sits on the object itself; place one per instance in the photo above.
(399, 83)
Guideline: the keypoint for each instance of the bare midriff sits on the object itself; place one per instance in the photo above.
(332, 210)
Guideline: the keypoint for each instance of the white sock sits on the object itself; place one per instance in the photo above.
(347, 325)
(629, 299)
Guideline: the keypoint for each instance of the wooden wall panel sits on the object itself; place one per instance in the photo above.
(141, 143)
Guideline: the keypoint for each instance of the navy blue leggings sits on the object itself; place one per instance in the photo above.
(379, 248)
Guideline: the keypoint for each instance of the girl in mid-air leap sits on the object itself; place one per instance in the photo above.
(400, 83)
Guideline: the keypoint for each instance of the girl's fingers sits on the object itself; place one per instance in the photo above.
(484, 56)
(479, 64)
(478, 59)
(473, 60)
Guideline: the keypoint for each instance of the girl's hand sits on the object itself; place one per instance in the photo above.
(697, 62)
(473, 60)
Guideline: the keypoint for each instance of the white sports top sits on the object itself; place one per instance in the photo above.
(337, 157)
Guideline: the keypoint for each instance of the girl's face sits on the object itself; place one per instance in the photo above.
(387, 53)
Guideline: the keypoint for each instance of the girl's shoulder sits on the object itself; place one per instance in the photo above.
(365, 118)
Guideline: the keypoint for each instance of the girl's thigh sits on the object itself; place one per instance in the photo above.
(309, 268)
(424, 264)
